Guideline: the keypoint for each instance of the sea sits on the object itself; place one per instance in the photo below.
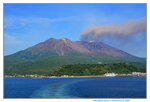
(106, 87)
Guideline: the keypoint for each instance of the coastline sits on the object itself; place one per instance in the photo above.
(65, 76)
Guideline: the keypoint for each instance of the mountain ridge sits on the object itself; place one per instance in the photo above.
(64, 45)
(53, 53)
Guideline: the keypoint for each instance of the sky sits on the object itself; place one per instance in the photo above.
(28, 24)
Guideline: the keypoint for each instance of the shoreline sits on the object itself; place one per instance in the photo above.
(91, 76)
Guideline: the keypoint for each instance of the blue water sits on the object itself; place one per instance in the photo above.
(111, 87)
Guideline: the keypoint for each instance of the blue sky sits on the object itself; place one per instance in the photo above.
(28, 24)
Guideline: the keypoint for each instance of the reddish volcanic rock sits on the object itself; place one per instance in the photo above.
(64, 46)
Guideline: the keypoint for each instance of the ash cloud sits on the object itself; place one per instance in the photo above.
(94, 33)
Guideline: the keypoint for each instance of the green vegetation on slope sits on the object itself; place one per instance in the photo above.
(26, 62)
(96, 69)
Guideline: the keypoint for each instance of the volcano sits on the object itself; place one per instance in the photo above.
(53, 53)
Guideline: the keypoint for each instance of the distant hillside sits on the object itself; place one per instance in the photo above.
(45, 56)
(96, 69)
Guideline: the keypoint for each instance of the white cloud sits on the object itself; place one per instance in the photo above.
(19, 22)
(11, 40)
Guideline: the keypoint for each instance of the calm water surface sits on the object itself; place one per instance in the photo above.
(110, 87)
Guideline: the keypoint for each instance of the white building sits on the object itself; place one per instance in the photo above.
(138, 73)
(99, 62)
(64, 76)
(109, 74)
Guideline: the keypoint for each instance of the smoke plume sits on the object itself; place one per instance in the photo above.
(94, 33)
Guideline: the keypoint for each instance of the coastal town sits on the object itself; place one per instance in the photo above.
(140, 74)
